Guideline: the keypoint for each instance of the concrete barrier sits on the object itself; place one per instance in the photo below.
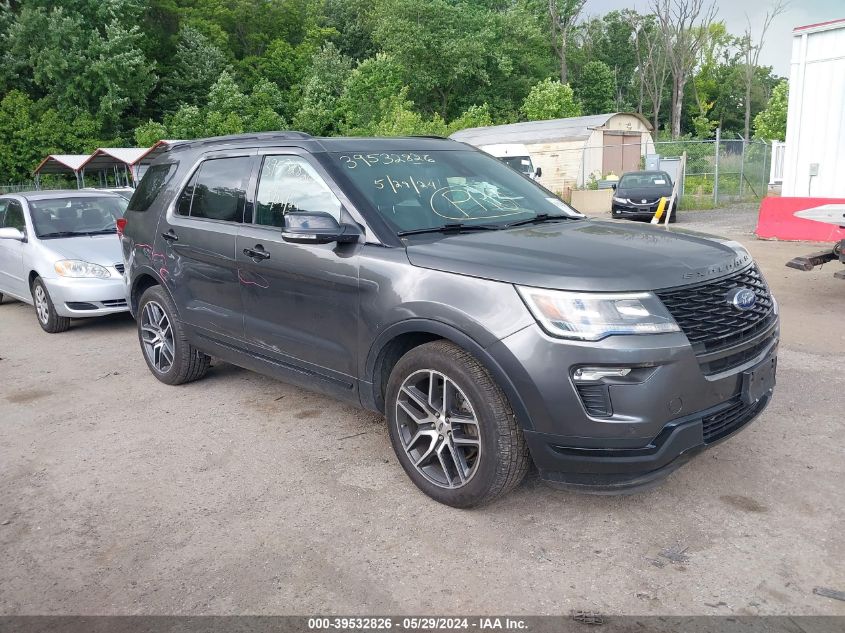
(594, 202)
(777, 220)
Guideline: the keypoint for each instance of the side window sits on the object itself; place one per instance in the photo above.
(218, 190)
(290, 183)
(3, 204)
(14, 216)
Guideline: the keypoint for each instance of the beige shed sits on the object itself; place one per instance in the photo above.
(572, 151)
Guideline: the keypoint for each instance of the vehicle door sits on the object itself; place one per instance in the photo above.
(13, 277)
(300, 300)
(197, 239)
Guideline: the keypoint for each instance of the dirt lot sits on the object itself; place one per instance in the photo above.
(238, 494)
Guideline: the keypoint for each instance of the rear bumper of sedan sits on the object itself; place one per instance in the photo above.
(84, 297)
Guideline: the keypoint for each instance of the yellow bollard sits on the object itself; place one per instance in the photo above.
(659, 213)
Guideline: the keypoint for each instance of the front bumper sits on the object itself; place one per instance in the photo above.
(638, 211)
(652, 423)
(85, 297)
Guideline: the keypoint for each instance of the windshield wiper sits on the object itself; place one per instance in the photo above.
(455, 227)
(59, 234)
(100, 231)
(541, 217)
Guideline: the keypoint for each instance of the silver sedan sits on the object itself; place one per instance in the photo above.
(59, 252)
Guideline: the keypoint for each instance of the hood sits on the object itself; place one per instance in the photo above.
(636, 194)
(97, 249)
(582, 255)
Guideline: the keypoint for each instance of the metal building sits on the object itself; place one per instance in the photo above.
(572, 151)
(814, 162)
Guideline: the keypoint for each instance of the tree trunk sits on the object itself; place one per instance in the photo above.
(747, 111)
(564, 70)
(678, 83)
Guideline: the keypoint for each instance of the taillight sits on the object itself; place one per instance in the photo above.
(121, 225)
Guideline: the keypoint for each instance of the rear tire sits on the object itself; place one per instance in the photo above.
(454, 460)
(167, 352)
(45, 311)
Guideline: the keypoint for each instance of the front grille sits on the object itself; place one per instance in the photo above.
(709, 320)
(119, 268)
(596, 400)
(718, 425)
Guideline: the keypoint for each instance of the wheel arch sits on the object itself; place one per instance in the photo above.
(400, 338)
(143, 279)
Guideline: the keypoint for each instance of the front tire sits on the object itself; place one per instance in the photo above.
(452, 427)
(45, 311)
(167, 352)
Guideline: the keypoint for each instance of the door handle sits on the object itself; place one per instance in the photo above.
(257, 254)
(170, 236)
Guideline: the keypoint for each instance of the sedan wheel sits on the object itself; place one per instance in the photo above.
(45, 310)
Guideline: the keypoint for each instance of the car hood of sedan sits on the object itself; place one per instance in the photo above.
(586, 255)
(97, 249)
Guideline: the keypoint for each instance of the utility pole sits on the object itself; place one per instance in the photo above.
(716, 165)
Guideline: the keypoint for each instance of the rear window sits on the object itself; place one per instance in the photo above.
(150, 186)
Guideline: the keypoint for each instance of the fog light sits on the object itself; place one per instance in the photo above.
(595, 374)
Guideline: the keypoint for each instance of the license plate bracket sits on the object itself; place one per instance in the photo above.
(759, 381)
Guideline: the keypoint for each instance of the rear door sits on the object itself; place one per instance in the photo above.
(300, 300)
(12, 275)
(198, 240)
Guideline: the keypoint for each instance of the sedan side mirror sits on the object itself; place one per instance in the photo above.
(538, 172)
(613, 186)
(12, 234)
(317, 227)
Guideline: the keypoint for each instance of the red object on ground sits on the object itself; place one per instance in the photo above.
(777, 220)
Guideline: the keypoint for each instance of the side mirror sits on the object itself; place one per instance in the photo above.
(538, 172)
(12, 234)
(613, 186)
(317, 227)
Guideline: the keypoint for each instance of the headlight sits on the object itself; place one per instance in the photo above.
(77, 268)
(591, 316)
(620, 200)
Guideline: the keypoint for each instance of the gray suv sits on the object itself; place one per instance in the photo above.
(491, 324)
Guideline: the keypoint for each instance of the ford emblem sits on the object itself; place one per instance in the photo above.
(742, 298)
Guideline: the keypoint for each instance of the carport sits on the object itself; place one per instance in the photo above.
(116, 163)
(62, 164)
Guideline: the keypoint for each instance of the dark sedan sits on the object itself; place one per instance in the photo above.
(638, 193)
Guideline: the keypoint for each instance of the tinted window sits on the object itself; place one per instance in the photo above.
(220, 188)
(76, 215)
(150, 186)
(183, 204)
(14, 216)
(290, 183)
(3, 204)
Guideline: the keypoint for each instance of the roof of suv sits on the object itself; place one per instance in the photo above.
(322, 144)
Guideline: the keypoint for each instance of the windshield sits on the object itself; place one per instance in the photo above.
(519, 163)
(646, 180)
(67, 217)
(414, 191)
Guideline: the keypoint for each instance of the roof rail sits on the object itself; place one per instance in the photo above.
(257, 136)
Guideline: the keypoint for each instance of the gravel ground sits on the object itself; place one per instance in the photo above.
(239, 494)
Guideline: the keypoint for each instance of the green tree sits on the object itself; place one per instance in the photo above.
(197, 64)
(596, 88)
(770, 124)
(550, 99)
(441, 46)
(474, 116)
(366, 88)
(318, 111)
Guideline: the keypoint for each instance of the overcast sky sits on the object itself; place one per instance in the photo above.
(777, 48)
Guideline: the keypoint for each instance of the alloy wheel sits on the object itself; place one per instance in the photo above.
(42, 308)
(157, 337)
(438, 428)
